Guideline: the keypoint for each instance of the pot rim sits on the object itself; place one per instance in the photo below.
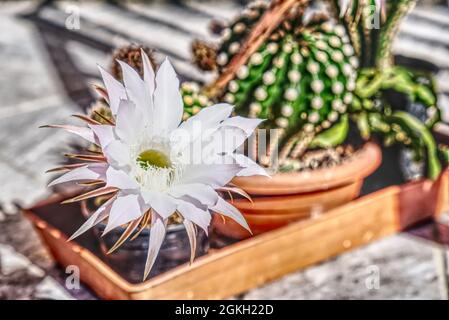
(360, 165)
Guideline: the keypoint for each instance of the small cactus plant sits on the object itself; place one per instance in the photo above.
(372, 26)
(301, 79)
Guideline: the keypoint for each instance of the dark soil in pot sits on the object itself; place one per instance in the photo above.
(131, 256)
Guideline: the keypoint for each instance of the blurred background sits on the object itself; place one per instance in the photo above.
(48, 56)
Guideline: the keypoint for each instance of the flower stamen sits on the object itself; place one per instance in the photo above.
(153, 158)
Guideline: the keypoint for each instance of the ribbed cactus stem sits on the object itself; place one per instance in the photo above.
(301, 79)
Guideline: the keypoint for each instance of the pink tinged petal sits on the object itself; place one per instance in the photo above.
(236, 190)
(246, 124)
(215, 175)
(83, 132)
(201, 192)
(86, 119)
(104, 134)
(66, 167)
(116, 91)
(117, 154)
(163, 204)
(91, 194)
(157, 235)
(194, 214)
(102, 92)
(124, 209)
(97, 217)
(249, 167)
(96, 171)
(191, 233)
(129, 121)
(168, 105)
(119, 179)
(253, 171)
(136, 89)
(226, 209)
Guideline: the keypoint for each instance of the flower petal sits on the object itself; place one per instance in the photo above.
(226, 209)
(150, 84)
(116, 91)
(130, 228)
(124, 209)
(162, 203)
(215, 175)
(91, 194)
(344, 6)
(249, 167)
(207, 118)
(248, 125)
(104, 134)
(203, 193)
(119, 179)
(129, 122)
(99, 215)
(168, 105)
(224, 140)
(117, 154)
(157, 235)
(192, 213)
(94, 171)
(191, 233)
(148, 72)
(136, 89)
(83, 132)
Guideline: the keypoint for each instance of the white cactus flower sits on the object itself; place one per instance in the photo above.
(149, 162)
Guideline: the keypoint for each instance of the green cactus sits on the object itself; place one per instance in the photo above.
(301, 80)
(233, 36)
(309, 79)
(378, 76)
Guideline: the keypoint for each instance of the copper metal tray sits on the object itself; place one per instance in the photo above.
(252, 262)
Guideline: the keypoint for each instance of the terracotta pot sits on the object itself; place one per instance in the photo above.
(130, 258)
(288, 197)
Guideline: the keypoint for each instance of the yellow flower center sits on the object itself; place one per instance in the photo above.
(153, 158)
